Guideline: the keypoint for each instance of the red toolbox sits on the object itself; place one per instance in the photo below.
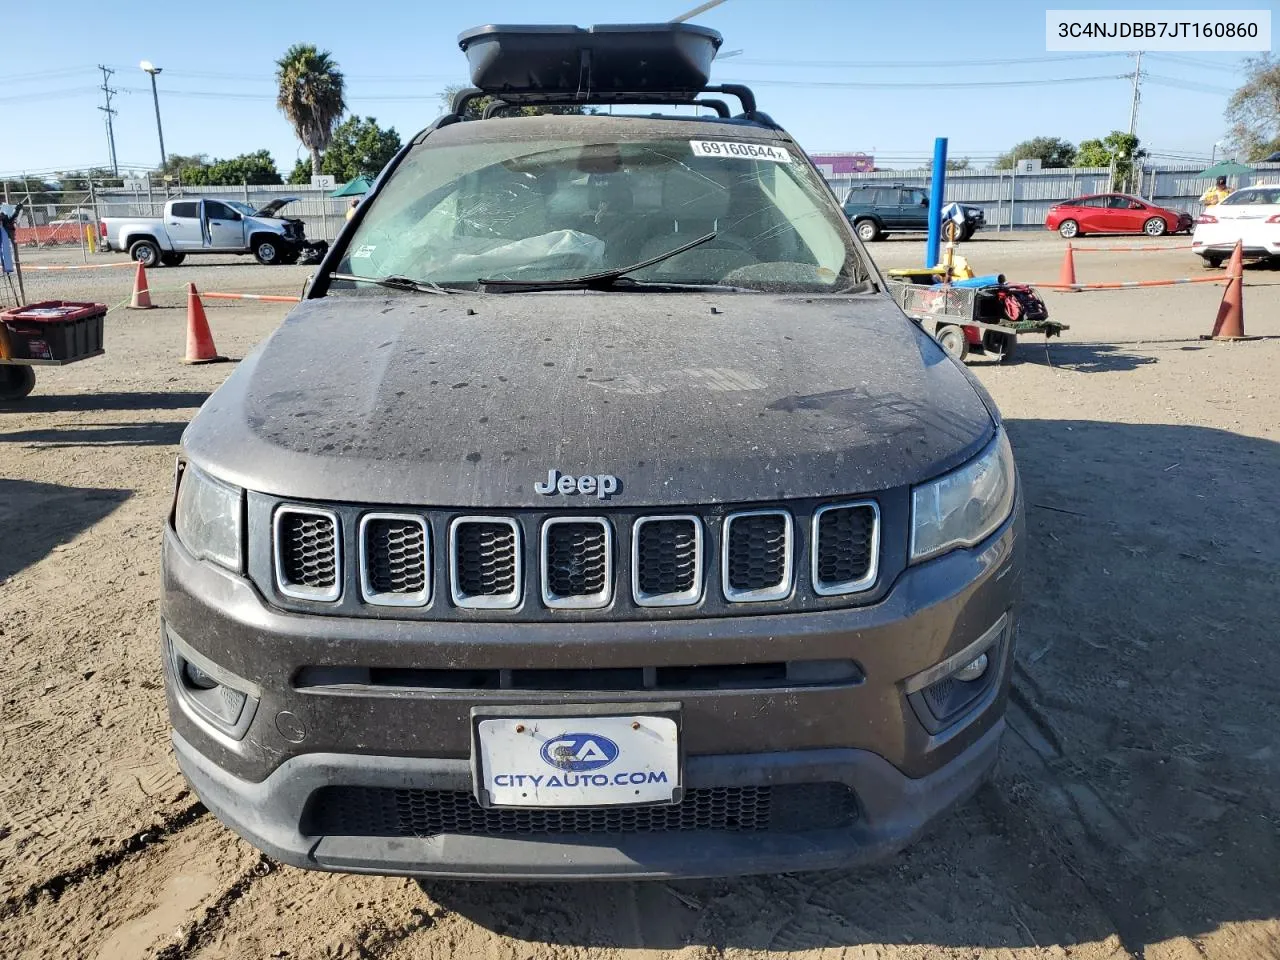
(53, 332)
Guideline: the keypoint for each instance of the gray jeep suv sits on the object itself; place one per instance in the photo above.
(596, 514)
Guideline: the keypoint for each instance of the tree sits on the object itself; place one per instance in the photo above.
(1122, 149)
(359, 146)
(1050, 151)
(958, 163)
(197, 170)
(312, 96)
(301, 172)
(1254, 109)
(475, 109)
(176, 163)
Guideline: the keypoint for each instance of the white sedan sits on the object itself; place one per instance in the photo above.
(1251, 215)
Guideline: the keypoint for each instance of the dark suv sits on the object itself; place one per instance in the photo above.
(596, 514)
(878, 209)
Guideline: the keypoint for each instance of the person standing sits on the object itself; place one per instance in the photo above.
(351, 207)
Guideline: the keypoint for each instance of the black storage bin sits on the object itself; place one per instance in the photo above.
(55, 331)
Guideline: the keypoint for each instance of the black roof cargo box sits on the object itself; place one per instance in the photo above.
(625, 57)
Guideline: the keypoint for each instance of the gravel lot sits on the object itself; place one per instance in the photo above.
(1135, 813)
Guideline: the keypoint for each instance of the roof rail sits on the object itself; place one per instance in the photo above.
(546, 98)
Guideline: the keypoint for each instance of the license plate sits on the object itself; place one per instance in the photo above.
(549, 761)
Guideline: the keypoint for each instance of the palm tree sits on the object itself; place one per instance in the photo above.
(311, 96)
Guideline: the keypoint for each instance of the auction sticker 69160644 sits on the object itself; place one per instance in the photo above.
(732, 149)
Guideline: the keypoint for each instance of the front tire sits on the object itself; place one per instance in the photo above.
(145, 252)
(1155, 227)
(952, 339)
(867, 230)
(172, 259)
(267, 252)
(1068, 229)
(16, 381)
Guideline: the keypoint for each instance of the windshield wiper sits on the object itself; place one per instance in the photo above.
(593, 281)
(395, 282)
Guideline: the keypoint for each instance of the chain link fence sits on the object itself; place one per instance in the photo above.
(1012, 200)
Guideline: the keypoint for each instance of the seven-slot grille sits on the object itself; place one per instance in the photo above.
(308, 553)
(577, 562)
(757, 547)
(485, 569)
(846, 551)
(395, 564)
(666, 561)
(576, 559)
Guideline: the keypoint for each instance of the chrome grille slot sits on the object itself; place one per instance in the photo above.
(845, 547)
(756, 555)
(485, 568)
(576, 562)
(395, 565)
(308, 554)
(666, 561)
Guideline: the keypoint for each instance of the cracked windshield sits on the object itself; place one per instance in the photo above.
(554, 210)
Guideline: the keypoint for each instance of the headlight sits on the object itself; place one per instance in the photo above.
(965, 506)
(208, 517)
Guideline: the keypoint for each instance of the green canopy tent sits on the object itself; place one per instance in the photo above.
(1227, 168)
(355, 188)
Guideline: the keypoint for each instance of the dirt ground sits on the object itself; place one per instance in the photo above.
(1135, 812)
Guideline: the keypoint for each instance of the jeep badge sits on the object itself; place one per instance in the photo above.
(603, 485)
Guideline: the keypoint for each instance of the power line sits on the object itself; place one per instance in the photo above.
(917, 64)
(49, 95)
(107, 94)
(929, 85)
(1180, 84)
(1193, 62)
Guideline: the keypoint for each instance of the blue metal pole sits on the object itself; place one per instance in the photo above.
(935, 201)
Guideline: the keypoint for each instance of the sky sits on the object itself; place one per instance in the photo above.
(806, 60)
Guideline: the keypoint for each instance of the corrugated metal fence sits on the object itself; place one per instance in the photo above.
(1022, 200)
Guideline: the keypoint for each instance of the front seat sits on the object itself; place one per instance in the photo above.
(696, 205)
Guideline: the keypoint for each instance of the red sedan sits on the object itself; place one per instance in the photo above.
(1115, 213)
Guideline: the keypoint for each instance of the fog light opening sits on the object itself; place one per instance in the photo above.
(193, 676)
(973, 670)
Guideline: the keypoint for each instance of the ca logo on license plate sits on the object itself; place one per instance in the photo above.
(579, 752)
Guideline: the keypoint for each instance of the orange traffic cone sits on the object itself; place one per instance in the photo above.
(200, 348)
(1067, 275)
(1229, 324)
(141, 299)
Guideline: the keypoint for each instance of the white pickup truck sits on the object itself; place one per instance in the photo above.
(211, 226)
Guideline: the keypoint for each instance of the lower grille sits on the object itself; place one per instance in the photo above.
(392, 812)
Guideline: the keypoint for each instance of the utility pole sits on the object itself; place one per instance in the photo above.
(1133, 114)
(1137, 94)
(107, 93)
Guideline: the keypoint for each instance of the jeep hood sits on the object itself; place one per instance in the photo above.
(469, 400)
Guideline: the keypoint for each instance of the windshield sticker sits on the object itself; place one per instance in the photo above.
(364, 251)
(727, 149)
